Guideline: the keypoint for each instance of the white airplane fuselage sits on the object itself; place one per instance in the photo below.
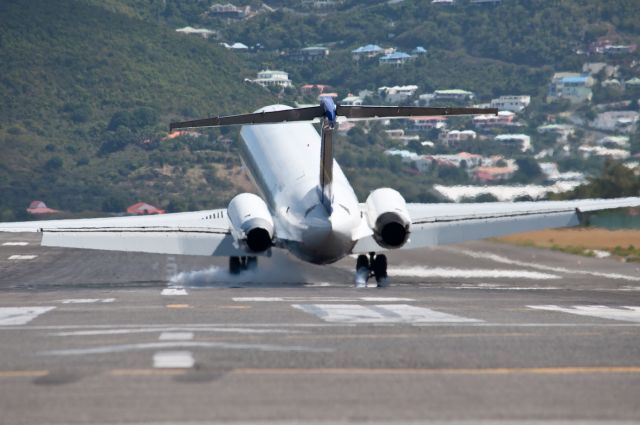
(283, 161)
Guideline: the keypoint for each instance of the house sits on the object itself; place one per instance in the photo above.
(351, 100)
(561, 131)
(230, 11)
(272, 78)
(397, 94)
(504, 118)
(511, 103)
(310, 54)
(395, 58)
(491, 174)
(315, 88)
(454, 136)
(419, 51)
(366, 52)
(471, 160)
(521, 141)
(455, 95)
(595, 68)
(429, 122)
(573, 86)
(39, 207)
(622, 121)
(397, 134)
(202, 32)
(445, 2)
(142, 208)
(235, 46)
(614, 142)
(587, 151)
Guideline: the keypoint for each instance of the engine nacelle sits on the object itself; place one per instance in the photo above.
(388, 217)
(251, 222)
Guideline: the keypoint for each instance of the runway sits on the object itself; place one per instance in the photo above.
(480, 332)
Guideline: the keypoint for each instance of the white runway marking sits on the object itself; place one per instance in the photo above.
(321, 299)
(22, 257)
(108, 349)
(173, 359)
(505, 260)
(20, 315)
(87, 300)
(15, 244)
(625, 313)
(445, 272)
(181, 329)
(382, 313)
(174, 291)
(176, 336)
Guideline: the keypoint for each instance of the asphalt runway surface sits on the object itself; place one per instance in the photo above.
(480, 332)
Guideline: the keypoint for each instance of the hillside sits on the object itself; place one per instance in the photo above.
(86, 97)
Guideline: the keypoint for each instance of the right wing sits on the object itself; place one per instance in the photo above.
(441, 224)
(191, 233)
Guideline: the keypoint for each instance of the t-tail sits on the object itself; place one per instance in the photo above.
(327, 113)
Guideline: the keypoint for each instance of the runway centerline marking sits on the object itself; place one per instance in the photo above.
(87, 300)
(380, 313)
(624, 313)
(23, 373)
(178, 329)
(15, 244)
(12, 316)
(176, 336)
(22, 257)
(173, 360)
(504, 260)
(174, 291)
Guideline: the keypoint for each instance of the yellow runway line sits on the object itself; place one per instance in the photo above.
(178, 306)
(23, 373)
(448, 371)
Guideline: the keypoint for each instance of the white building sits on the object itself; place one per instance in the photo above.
(203, 32)
(522, 141)
(351, 101)
(272, 78)
(455, 136)
(511, 103)
(616, 120)
(454, 94)
(588, 151)
(397, 94)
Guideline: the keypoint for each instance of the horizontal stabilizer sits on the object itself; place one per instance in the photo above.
(316, 112)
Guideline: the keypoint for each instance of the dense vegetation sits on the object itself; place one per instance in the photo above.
(87, 96)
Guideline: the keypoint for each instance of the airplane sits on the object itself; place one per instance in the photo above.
(307, 206)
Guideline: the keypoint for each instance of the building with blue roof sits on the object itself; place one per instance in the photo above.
(572, 86)
(368, 51)
(396, 58)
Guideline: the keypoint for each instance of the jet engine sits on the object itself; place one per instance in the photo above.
(251, 222)
(388, 218)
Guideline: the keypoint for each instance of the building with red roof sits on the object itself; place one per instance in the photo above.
(39, 207)
(142, 208)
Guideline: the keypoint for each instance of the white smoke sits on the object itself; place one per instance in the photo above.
(279, 270)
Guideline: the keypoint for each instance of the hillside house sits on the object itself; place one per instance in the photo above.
(142, 208)
(492, 174)
(310, 54)
(621, 121)
(397, 94)
(39, 207)
(202, 32)
(586, 151)
(453, 137)
(572, 86)
(315, 89)
(511, 103)
(429, 122)
(561, 131)
(351, 100)
(614, 142)
(419, 51)
(455, 95)
(272, 78)
(367, 52)
(503, 119)
(395, 58)
(520, 141)
(230, 11)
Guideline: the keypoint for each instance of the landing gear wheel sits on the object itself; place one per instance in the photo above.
(251, 263)
(362, 271)
(235, 265)
(379, 267)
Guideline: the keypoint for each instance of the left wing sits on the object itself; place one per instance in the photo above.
(191, 233)
(441, 224)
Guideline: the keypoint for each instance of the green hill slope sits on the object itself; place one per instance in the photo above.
(85, 97)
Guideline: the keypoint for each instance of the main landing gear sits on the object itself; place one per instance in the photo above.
(240, 264)
(374, 266)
